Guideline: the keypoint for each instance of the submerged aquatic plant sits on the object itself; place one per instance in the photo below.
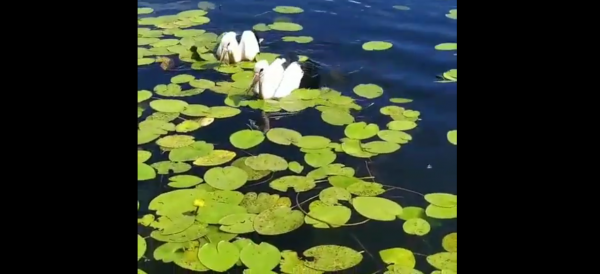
(211, 216)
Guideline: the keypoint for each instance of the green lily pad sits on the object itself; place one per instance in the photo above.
(213, 212)
(266, 161)
(143, 156)
(261, 27)
(246, 138)
(285, 26)
(376, 45)
(182, 78)
(175, 141)
(368, 91)
(253, 175)
(168, 105)
(283, 136)
(288, 9)
(141, 247)
(452, 14)
(219, 257)
(290, 263)
(320, 158)
(443, 260)
(401, 125)
(328, 215)
(398, 256)
(295, 167)
(377, 208)
(361, 130)
(299, 183)
(337, 117)
(442, 199)
(215, 158)
(332, 258)
(187, 126)
(380, 147)
(238, 223)
(144, 11)
(145, 61)
(416, 226)
(438, 212)
(446, 46)
(449, 242)
(411, 212)
(191, 152)
(222, 112)
(313, 142)
(400, 100)
(297, 39)
(276, 221)
(263, 257)
(452, 137)
(394, 136)
(164, 167)
(365, 189)
(195, 231)
(257, 203)
(183, 181)
(165, 43)
(168, 252)
(144, 95)
(332, 195)
(226, 178)
(145, 172)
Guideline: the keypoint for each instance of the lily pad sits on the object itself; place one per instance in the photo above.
(237, 223)
(376, 45)
(175, 141)
(182, 78)
(246, 138)
(145, 172)
(187, 126)
(276, 221)
(168, 105)
(401, 125)
(416, 226)
(400, 100)
(164, 167)
(297, 39)
(226, 178)
(442, 199)
(299, 183)
(261, 257)
(332, 195)
(290, 263)
(328, 215)
(141, 247)
(287, 9)
(313, 142)
(215, 158)
(377, 208)
(219, 257)
(449, 242)
(337, 117)
(285, 26)
(361, 130)
(398, 256)
(144, 95)
(332, 258)
(295, 167)
(283, 136)
(320, 158)
(443, 260)
(266, 161)
(380, 147)
(261, 27)
(191, 152)
(368, 91)
(394, 136)
(253, 175)
(438, 212)
(452, 137)
(446, 46)
(183, 181)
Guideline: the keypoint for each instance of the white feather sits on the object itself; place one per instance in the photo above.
(262, 64)
(290, 81)
(271, 78)
(227, 38)
(249, 46)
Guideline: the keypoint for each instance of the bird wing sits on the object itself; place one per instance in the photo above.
(290, 81)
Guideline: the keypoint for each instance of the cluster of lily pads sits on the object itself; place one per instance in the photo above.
(206, 223)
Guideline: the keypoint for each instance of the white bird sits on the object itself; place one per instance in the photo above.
(230, 51)
(284, 75)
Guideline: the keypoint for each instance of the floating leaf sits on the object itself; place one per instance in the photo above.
(398, 256)
(222, 112)
(168, 105)
(164, 167)
(449, 242)
(313, 142)
(437, 212)
(287, 9)
(145, 61)
(442, 199)
(262, 257)
(168, 252)
(452, 137)
(215, 158)
(193, 232)
(361, 130)
(332, 258)
(332, 195)
(376, 45)
(261, 27)
(452, 14)
(219, 257)
(283, 136)
(175, 141)
(366, 189)
(380, 147)
(290, 263)
(299, 183)
(183, 181)
(144, 10)
(412, 212)
(141, 247)
(226, 178)
(266, 161)
(443, 260)
(295, 167)
(297, 39)
(401, 125)
(278, 221)
(213, 212)
(257, 203)
(238, 223)
(446, 46)
(253, 175)
(336, 117)
(182, 78)
(187, 126)
(400, 100)
(246, 138)
(377, 208)
(326, 216)
(394, 136)
(205, 5)
(353, 147)
(285, 26)
(145, 172)
(191, 152)
(144, 95)
(320, 158)
(416, 226)
(368, 91)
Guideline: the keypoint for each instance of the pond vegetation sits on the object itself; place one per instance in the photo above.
(220, 221)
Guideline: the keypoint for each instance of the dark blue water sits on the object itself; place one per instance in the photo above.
(408, 70)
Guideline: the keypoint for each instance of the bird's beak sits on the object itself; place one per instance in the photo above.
(223, 54)
(254, 81)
